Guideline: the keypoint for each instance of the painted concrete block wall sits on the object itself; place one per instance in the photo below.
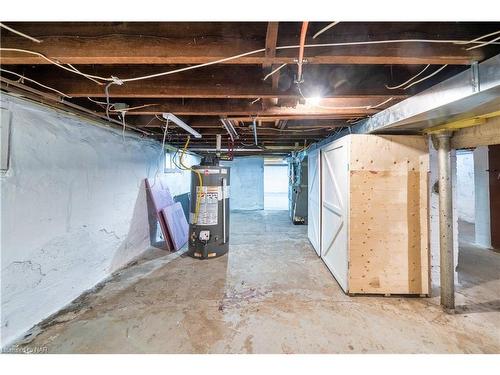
(482, 197)
(247, 183)
(434, 214)
(465, 185)
(73, 209)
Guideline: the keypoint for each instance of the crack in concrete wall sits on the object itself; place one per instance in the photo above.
(74, 209)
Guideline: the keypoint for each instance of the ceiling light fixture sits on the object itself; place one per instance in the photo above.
(176, 120)
(315, 100)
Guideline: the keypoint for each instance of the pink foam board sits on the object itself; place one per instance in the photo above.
(177, 224)
(160, 195)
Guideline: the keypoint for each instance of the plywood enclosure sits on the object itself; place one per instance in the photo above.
(388, 226)
(375, 189)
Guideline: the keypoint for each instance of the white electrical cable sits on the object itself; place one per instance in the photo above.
(409, 80)
(124, 125)
(72, 69)
(165, 135)
(133, 108)
(35, 82)
(329, 26)
(20, 33)
(235, 57)
(426, 77)
(481, 37)
(484, 44)
(96, 101)
(274, 71)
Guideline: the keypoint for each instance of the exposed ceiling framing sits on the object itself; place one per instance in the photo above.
(351, 80)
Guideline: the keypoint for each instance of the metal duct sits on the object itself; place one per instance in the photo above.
(473, 92)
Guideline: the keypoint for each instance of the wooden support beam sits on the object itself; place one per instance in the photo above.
(206, 122)
(223, 82)
(133, 49)
(355, 106)
(271, 42)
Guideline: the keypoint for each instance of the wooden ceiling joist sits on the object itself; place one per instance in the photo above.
(136, 50)
(351, 80)
(355, 106)
(206, 122)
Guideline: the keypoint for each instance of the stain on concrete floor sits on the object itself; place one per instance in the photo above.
(270, 294)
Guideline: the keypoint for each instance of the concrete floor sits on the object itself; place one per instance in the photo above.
(270, 294)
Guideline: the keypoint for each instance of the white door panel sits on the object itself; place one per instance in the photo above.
(334, 210)
(313, 207)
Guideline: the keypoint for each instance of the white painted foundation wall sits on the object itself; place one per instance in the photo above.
(482, 197)
(465, 186)
(73, 209)
(247, 182)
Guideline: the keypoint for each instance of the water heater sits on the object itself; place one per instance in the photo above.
(209, 210)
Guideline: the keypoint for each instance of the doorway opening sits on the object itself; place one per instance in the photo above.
(275, 185)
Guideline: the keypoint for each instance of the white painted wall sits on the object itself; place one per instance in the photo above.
(276, 183)
(73, 209)
(276, 178)
(247, 183)
(482, 197)
(434, 214)
(465, 185)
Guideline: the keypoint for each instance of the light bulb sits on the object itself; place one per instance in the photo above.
(315, 100)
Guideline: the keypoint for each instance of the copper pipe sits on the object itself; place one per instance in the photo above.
(303, 33)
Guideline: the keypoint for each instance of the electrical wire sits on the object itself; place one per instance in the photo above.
(426, 77)
(329, 26)
(274, 71)
(56, 63)
(481, 37)
(96, 101)
(409, 80)
(133, 108)
(484, 44)
(295, 47)
(35, 82)
(235, 57)
(165, 135)
(106, 91)
(20, 33)
(124, 125)
(200, 180)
